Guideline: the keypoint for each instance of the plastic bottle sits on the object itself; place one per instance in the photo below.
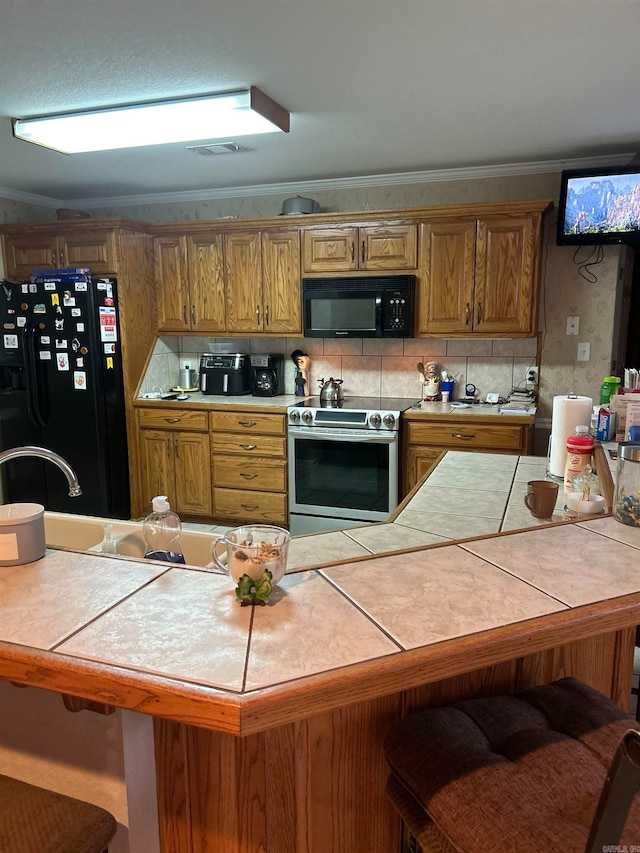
(579, 450)
(162, 530)
(108, 543)
(608, 389)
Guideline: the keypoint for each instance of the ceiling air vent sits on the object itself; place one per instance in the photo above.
(218, 148)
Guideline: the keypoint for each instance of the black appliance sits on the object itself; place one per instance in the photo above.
(359, 307)
(228, 374)
(61, 388)
(268, 375)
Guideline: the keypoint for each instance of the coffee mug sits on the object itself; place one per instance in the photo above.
(541, 498)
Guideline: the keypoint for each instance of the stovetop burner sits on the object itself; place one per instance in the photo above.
(361, 404)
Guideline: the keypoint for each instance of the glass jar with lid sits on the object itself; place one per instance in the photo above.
(626, 501)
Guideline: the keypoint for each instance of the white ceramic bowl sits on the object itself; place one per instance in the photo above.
(595, 505)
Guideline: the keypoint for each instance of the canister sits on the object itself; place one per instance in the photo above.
(22, 537)
(626, 500)
(579, 450)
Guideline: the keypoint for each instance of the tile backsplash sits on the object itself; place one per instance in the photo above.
(368, 367)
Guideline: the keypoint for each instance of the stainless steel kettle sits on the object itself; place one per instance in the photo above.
(331, 390)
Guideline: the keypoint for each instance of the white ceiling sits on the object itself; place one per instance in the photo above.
(374, 87)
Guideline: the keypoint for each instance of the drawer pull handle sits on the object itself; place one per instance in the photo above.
(248, 476)
(479, 313)
(249, 507)
(466, 314)
(173, 420)
(248, 446)
(463, 437)
(247, 423)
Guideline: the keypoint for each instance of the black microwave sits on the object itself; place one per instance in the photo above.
(359, 307)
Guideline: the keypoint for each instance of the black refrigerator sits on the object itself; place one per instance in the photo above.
(61, 388)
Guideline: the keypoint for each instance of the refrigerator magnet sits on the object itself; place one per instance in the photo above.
(39, 308)
(76, 312)
(68, 299)
(75, 345)
(63, 361)
(25, 288)
(21, 321)
(59, 324)
(61, 343)
(33, 288)
(49, 285)
(55, 299)
(109, 363)
(11, 342)
(79, 327)
(109, 349)
(81, 286)
(45, 340)
(9, 325)
(45, 355)
(79, 380)
(84, 350)
(108, 300)
(79, 362)
(108, 330)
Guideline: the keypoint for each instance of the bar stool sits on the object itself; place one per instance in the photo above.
(35, 820)
(524, 772)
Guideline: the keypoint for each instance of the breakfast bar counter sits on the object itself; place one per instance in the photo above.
(270, 720)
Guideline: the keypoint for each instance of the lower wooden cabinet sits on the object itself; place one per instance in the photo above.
(426, 437)
(249, 467)
(175, 460)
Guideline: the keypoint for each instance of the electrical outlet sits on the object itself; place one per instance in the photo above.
(531, 375)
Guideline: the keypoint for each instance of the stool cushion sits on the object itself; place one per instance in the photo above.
(518, 772)
(35, 820)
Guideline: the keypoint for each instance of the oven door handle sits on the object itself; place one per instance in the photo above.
(370, 438)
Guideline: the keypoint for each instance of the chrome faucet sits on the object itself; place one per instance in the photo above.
(43, 453)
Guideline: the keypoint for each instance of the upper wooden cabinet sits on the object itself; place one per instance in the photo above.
(262, 277)
(479, 276)
(46, 249)
(367, 247)
(190, 275)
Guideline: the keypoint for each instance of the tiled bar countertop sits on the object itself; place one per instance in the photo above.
(173, 641)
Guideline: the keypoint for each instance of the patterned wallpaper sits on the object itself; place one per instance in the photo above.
(491, 365)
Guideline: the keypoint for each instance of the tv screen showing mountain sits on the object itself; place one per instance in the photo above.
(602, 205)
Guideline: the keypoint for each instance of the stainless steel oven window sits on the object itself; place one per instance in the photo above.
(351, 473)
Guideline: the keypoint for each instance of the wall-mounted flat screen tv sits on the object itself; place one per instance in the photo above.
(599, 206)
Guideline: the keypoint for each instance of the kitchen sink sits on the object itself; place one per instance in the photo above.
(85, 533)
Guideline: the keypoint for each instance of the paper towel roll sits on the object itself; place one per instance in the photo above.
(568, 413)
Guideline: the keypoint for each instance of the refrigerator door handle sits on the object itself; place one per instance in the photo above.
(31, 376)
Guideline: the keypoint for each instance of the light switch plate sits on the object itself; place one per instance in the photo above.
(493, 397)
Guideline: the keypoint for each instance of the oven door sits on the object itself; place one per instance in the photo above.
(343, 473)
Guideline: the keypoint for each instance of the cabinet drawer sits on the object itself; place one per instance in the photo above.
(463, 436)
(250, 506)
(254, 445)
(189, 419)
(240, 422)
(237, 472)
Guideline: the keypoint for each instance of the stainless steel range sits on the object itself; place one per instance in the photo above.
(343, 462)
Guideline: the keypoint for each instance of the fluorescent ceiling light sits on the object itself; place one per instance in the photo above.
(208, 117)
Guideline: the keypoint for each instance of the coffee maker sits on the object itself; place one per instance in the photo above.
(268, 375)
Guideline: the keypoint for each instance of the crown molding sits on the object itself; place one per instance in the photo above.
(365, 181)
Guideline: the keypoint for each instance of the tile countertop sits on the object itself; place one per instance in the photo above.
(128, 619)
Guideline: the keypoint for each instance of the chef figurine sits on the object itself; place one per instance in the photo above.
(431, 383)
(303, 366)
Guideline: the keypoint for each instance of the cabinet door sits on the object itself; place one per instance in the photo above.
(156, 466)
(93, 249)
(389, 247)
(171, 278)
(419, 461)
(330, 249)
(445, 294)
(281, 294)
(506, 263)
(26, 252)
(192, 473)
(243, 272)
(205, 265)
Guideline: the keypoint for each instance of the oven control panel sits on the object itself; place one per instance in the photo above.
(343, 418)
